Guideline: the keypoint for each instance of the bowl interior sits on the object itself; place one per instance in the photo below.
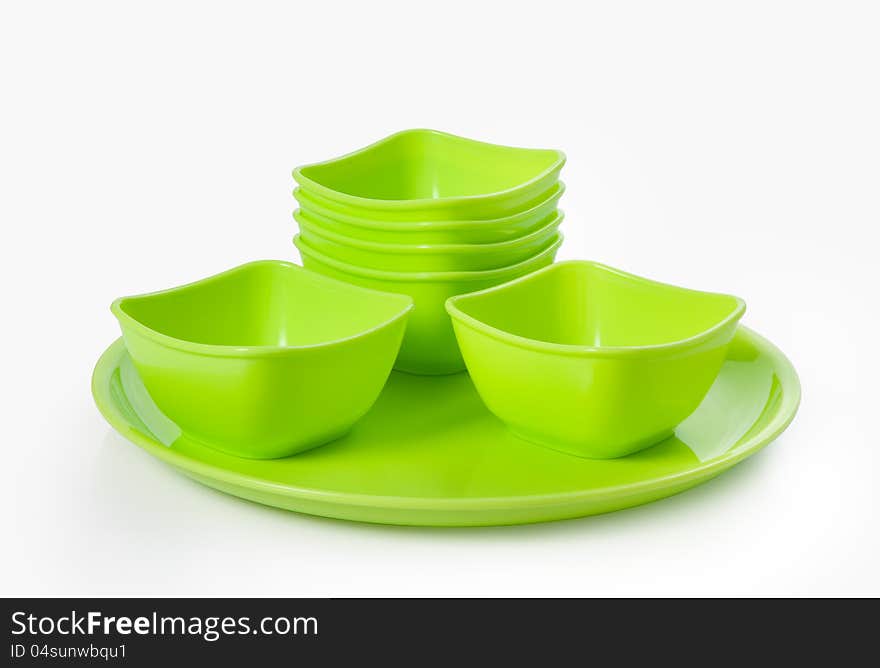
(424, 164)
(588, 304)
(263, 304)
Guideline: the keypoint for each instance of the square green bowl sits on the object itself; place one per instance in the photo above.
(426, 174)
(266, 359)
(429, 346)
(387, 228)
(425, 257)
(590, 360)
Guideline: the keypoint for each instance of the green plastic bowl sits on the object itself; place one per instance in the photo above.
(590, 360)
(429, 346)
(264, 360)
(427, 257)
(432, 175)
(387, 229)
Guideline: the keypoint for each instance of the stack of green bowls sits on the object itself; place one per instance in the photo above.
(430, 215)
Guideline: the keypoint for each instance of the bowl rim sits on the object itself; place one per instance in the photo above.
(432, 249)
(416, 226)
(428, 276)
(527, 343)
(424, 202)
(232, 351)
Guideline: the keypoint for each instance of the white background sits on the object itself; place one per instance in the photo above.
(729, 146)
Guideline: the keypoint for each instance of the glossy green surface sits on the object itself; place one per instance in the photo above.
(591, 360)
(429, 346)
(399, 228)
(266, 359)
(425, 257)
(435, 175)
(429, 453)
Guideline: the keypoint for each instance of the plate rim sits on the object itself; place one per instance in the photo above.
(782, 417)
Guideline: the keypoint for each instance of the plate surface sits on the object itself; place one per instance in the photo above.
(429, 453)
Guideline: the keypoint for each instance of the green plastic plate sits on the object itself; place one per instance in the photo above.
(429, 453)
